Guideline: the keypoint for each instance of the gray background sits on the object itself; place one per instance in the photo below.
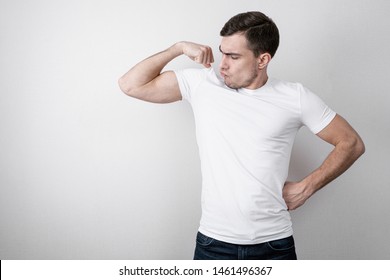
(89, 173)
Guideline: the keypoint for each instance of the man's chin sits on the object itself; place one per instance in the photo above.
(232, 86)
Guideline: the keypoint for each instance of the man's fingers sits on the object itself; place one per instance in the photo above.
(209, 57)
(202, 55)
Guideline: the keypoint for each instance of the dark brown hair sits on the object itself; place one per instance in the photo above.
(260, 31)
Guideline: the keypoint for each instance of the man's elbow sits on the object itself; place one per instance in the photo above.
(361, 148)
(125, 87)
(122, 85)
(358, 147)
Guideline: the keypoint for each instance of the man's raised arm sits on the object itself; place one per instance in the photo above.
(145, 80)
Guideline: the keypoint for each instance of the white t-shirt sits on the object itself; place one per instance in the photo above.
(245, 139)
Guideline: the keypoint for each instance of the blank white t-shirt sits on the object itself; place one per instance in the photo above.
(245, 139)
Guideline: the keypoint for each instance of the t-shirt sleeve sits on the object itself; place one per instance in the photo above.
(316, 115)
(188, 80)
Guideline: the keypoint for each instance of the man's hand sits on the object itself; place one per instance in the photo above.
(295, 194)
(199, 53)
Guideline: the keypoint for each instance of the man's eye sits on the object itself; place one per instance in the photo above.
(234, 57)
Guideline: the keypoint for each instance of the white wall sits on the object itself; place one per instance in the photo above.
(88, 173)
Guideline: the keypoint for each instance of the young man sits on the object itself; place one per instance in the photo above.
(245, 125)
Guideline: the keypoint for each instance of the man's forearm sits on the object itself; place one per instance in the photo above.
(337, 162)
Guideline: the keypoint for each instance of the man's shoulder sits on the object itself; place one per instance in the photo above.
(285, 86)
(194, 72)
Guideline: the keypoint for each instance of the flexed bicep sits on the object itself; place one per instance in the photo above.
(163, 89)
(145, 80)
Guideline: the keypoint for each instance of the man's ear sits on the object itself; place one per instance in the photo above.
(263, 60)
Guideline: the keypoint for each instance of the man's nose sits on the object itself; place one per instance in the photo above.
(224, 65)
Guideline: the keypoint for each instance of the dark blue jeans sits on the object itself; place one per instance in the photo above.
(208, 248)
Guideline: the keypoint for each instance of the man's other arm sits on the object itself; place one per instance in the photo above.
(348, 147)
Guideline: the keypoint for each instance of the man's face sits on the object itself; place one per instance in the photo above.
(239, 66)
